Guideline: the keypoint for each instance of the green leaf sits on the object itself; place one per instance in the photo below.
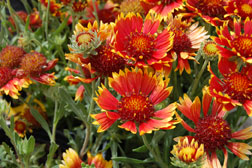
(31, 145)
(158, 135)
(41, 120)
(131, 160)
(140, 149)
(61, 27)
(79, 112)
(52, 150)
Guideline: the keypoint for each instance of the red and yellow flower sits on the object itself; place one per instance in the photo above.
(131, 6)
(235, 86)
(20, 128)
(236, 44)
(140, 42)
(54, 7)
(71, 159)
(241, 8)
(79, 6)
(212, 130)
(140, 91)
(186, 42)
(188, 151)
(212, 11)
(98, 161)
(162, 7)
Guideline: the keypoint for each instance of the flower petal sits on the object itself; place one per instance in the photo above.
(129, 126)
(243, 134)
(240, 149)
(105, 120)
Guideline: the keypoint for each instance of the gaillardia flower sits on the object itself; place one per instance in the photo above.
(131, 6)
(212, 11)
(212, 130)
(20, 128)
(186, 42)
(187, 152)
(162, 7)
(140, 91)
(241, 8)
(238, 43)
(71, 159)
(11, 85)
(208, 50)
(54, 7)
(140, 42)
(235, 86)
(98, 161)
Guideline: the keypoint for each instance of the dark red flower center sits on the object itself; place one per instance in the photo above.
(136, 108)
(106, 62)
(243, 45)
(212, 8)
(213, 132)
(140, 46)
(244, 9)
(5, 75)
(20, 127)
(181, 42)
(238, 86)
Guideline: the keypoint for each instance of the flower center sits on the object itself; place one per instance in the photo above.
(243, 45)
(84, 38)
(246, 8)
(181, 42)
(20, 126)
(213, 132)
(210, 48)
(238, 86)
(106, 62)
(5, 75)
(33, 63)
(140, 45)
(135, 108)
(11, 56)
(212, 8)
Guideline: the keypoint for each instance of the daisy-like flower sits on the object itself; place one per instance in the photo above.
(34, 65)
(79, 6)
(241, 8)
(138, 40)
(212, 11)
(140, 92)
(71, 159)
(162, 7)
(186, 42)
(209, 50)
(11, 85)
(238, 43)
(235, 86)
(20, 128)
(212, 130)
(98, 161)
(187, 152)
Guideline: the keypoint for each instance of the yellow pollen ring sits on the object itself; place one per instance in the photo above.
(246, 8)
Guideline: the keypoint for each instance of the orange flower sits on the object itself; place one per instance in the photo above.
(79, 6)
(241, 8)
(131, 6)
(35, 20)
(20, 128)
(212, 11)
(212, 130)
(236, 44)
(54, 7)
(140, 92)
(235, 88)
(99, 161)
(140, 42)
(71, 159)
(34, 65)
(79, 93)
(162, 7)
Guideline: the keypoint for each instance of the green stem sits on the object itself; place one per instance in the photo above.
(87, 123)
(54, 122)
(95, 12)
(157, 159)
(196, 81)
(47, 18)
(97, 142)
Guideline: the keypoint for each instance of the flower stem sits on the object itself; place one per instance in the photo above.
(47, 18)
(12, 13)
(196, 81)
(157, 159)
(87, 123)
